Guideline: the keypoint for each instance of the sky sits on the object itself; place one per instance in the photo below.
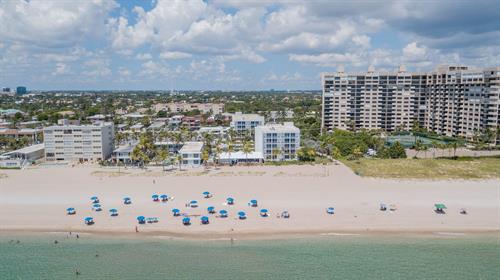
(234, 45)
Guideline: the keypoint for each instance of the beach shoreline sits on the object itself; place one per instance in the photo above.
(35, 201)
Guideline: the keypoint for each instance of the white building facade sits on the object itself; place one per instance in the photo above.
(191, 154)
(79, 142)
(246, 123)
(277, 141)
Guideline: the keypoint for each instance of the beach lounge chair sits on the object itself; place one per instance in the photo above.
(71, 211)
(330, 210)
(285, 214)
(439, 208)
(89, 221)
(463, 211)
(393, 207)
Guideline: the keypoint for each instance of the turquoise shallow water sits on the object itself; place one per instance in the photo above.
(335, 257)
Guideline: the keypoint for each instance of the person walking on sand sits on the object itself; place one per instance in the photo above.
(136, 229)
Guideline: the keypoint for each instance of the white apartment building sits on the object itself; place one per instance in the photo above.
(191, 154)
(246, 123)
(452, 100)
(79, 142)
(277, 141)
(179, 107)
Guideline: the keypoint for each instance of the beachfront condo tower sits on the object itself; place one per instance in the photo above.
(277, 141)
(452, 100)
(79, 142)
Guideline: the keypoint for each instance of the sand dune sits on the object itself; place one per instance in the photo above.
(36, 200)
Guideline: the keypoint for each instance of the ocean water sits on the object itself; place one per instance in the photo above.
(327, 257)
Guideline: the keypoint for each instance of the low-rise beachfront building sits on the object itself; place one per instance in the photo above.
(171, 147)
(191, 154)
(240, 157)
(79, 142)
(246, 123)
(22, 157)
(277, 141)
(218, 131)
(123, 154)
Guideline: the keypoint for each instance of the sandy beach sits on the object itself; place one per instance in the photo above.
(35, 200)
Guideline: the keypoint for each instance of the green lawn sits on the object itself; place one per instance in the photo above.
(461, 168)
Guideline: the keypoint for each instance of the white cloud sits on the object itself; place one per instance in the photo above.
(97, 67)
(175, 55)
(144, 56)
(61, 69)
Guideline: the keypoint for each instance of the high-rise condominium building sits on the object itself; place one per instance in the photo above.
(452, 100)
(79, 142)
(277, 141)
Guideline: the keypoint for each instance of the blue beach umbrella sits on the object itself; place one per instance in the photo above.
(263, 212)
(71, 211)
(141, 219)
(242, 215)
(206, 194)
(89, 220)
(113, 211)
(95, 199)
(330, 210)
(230, 200)
(223, 213)
(127, 200)
(154, 197)
(193, 203)
(211, 209)
(186, 221)
(253, 203)
(97, 207)
(164, 197)
(204, 220)
(176, 211)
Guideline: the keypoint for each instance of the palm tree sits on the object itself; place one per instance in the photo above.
(435, 145)
(418, 147)
(204, 156)
(218, 151)
(179, 160)
(247, 148)
(229, 147)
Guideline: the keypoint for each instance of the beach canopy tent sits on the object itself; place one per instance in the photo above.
(223, 213)
(242, 215)
(330, 210)
(95, 199)
(71, 211)
(253, 203)
(186, 221)
(263, 212)
(230, 200)
(176, 211)
(204, 220)
(211, 209)
(207, 194)
(127, 200)
(89, 220)
(141, 219)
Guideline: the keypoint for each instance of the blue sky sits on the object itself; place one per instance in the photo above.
(234, 45)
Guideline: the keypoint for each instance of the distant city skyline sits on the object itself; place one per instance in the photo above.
(234, 45)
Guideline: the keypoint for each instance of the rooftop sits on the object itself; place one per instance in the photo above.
(285, 127)
(27, 150)
(191, 147)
